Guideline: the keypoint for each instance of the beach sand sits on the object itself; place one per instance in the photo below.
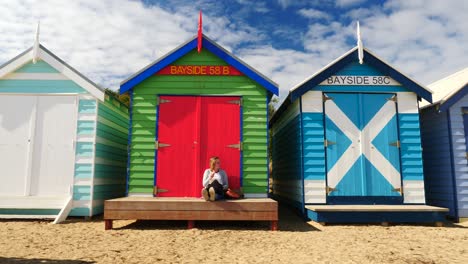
(85, 241)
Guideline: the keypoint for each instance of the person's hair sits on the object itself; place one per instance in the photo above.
(213, 162)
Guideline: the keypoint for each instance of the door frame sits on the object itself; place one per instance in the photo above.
(363, 199)
(241, 110)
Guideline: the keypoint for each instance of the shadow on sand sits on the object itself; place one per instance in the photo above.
(289, 221)
(37, 260)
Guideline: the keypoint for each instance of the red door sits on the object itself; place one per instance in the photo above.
(191, 129)
(220, 135)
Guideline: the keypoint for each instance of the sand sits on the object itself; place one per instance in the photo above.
(80, 241)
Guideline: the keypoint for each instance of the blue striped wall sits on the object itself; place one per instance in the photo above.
(82, 190)
(459, 151)
(411, 150)
(438, 173)
(287, 157)
(313, 149)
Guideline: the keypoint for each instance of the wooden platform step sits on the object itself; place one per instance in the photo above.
(190, 209)
(383, 214)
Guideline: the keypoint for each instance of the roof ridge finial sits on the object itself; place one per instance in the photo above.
(35, 53)
(359, 44)
(200, 32)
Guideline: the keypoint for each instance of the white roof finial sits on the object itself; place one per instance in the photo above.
(359, 44)
(36, 43)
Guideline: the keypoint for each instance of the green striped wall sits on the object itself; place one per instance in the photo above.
(111, 146)
(144, 120)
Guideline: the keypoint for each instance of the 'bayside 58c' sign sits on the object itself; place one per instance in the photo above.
(359, 80)
(199, 70)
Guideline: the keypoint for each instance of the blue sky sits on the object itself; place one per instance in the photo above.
(108, 40)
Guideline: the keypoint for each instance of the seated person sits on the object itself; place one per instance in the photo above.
(215, 181)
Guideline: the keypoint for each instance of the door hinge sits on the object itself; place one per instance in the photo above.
(238, 102)
(330, 189)
(393, 98)
(396, 144)
(398, 190)
(156, 190)
(237, 146)
(328, 143)
(162, 101)
(158, 145)
(325, 97)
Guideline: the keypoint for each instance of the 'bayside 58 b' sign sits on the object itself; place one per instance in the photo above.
(359, 80)
(199, 70)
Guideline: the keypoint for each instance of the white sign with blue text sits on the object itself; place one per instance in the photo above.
(359, 80)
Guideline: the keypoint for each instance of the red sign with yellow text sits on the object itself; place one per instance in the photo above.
(199, 70)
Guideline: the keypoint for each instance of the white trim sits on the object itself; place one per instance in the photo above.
(321, 70)
(84, 138)
(82, 182)
(407, 103)
(63, 214)
(84, 160)
(32, 136)
(315, 191)
(94, 158)
(413, 191)
(312, 102)
(86, 97)
(66, 70)
(16, 64)
(346, 54)
(71, 74)
(34, 76)
(87, 117)
(82, 203)
(140, 195)
(7, 216)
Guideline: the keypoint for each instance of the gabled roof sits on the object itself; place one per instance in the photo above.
(58, 64)
(370, 59)
(448, 90)
(341, 62)
(185, 48)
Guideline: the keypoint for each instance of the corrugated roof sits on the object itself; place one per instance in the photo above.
(445, 88)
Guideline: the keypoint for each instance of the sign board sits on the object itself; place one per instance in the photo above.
(359, 80)
(200, 70)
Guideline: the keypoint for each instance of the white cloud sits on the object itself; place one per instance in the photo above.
(109, 40)
(313, 14)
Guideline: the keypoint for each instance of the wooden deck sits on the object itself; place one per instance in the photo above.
(190, 209)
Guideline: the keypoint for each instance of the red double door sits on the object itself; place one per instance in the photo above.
(191, 129)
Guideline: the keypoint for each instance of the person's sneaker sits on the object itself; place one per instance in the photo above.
(205, 195)
(212, 194)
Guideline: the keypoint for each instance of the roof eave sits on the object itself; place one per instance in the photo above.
(188, 46)
(373, 60)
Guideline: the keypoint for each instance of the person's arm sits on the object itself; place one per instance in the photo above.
(225, 180)
(206, 178)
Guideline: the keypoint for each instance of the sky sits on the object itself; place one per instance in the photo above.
(286, 40)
